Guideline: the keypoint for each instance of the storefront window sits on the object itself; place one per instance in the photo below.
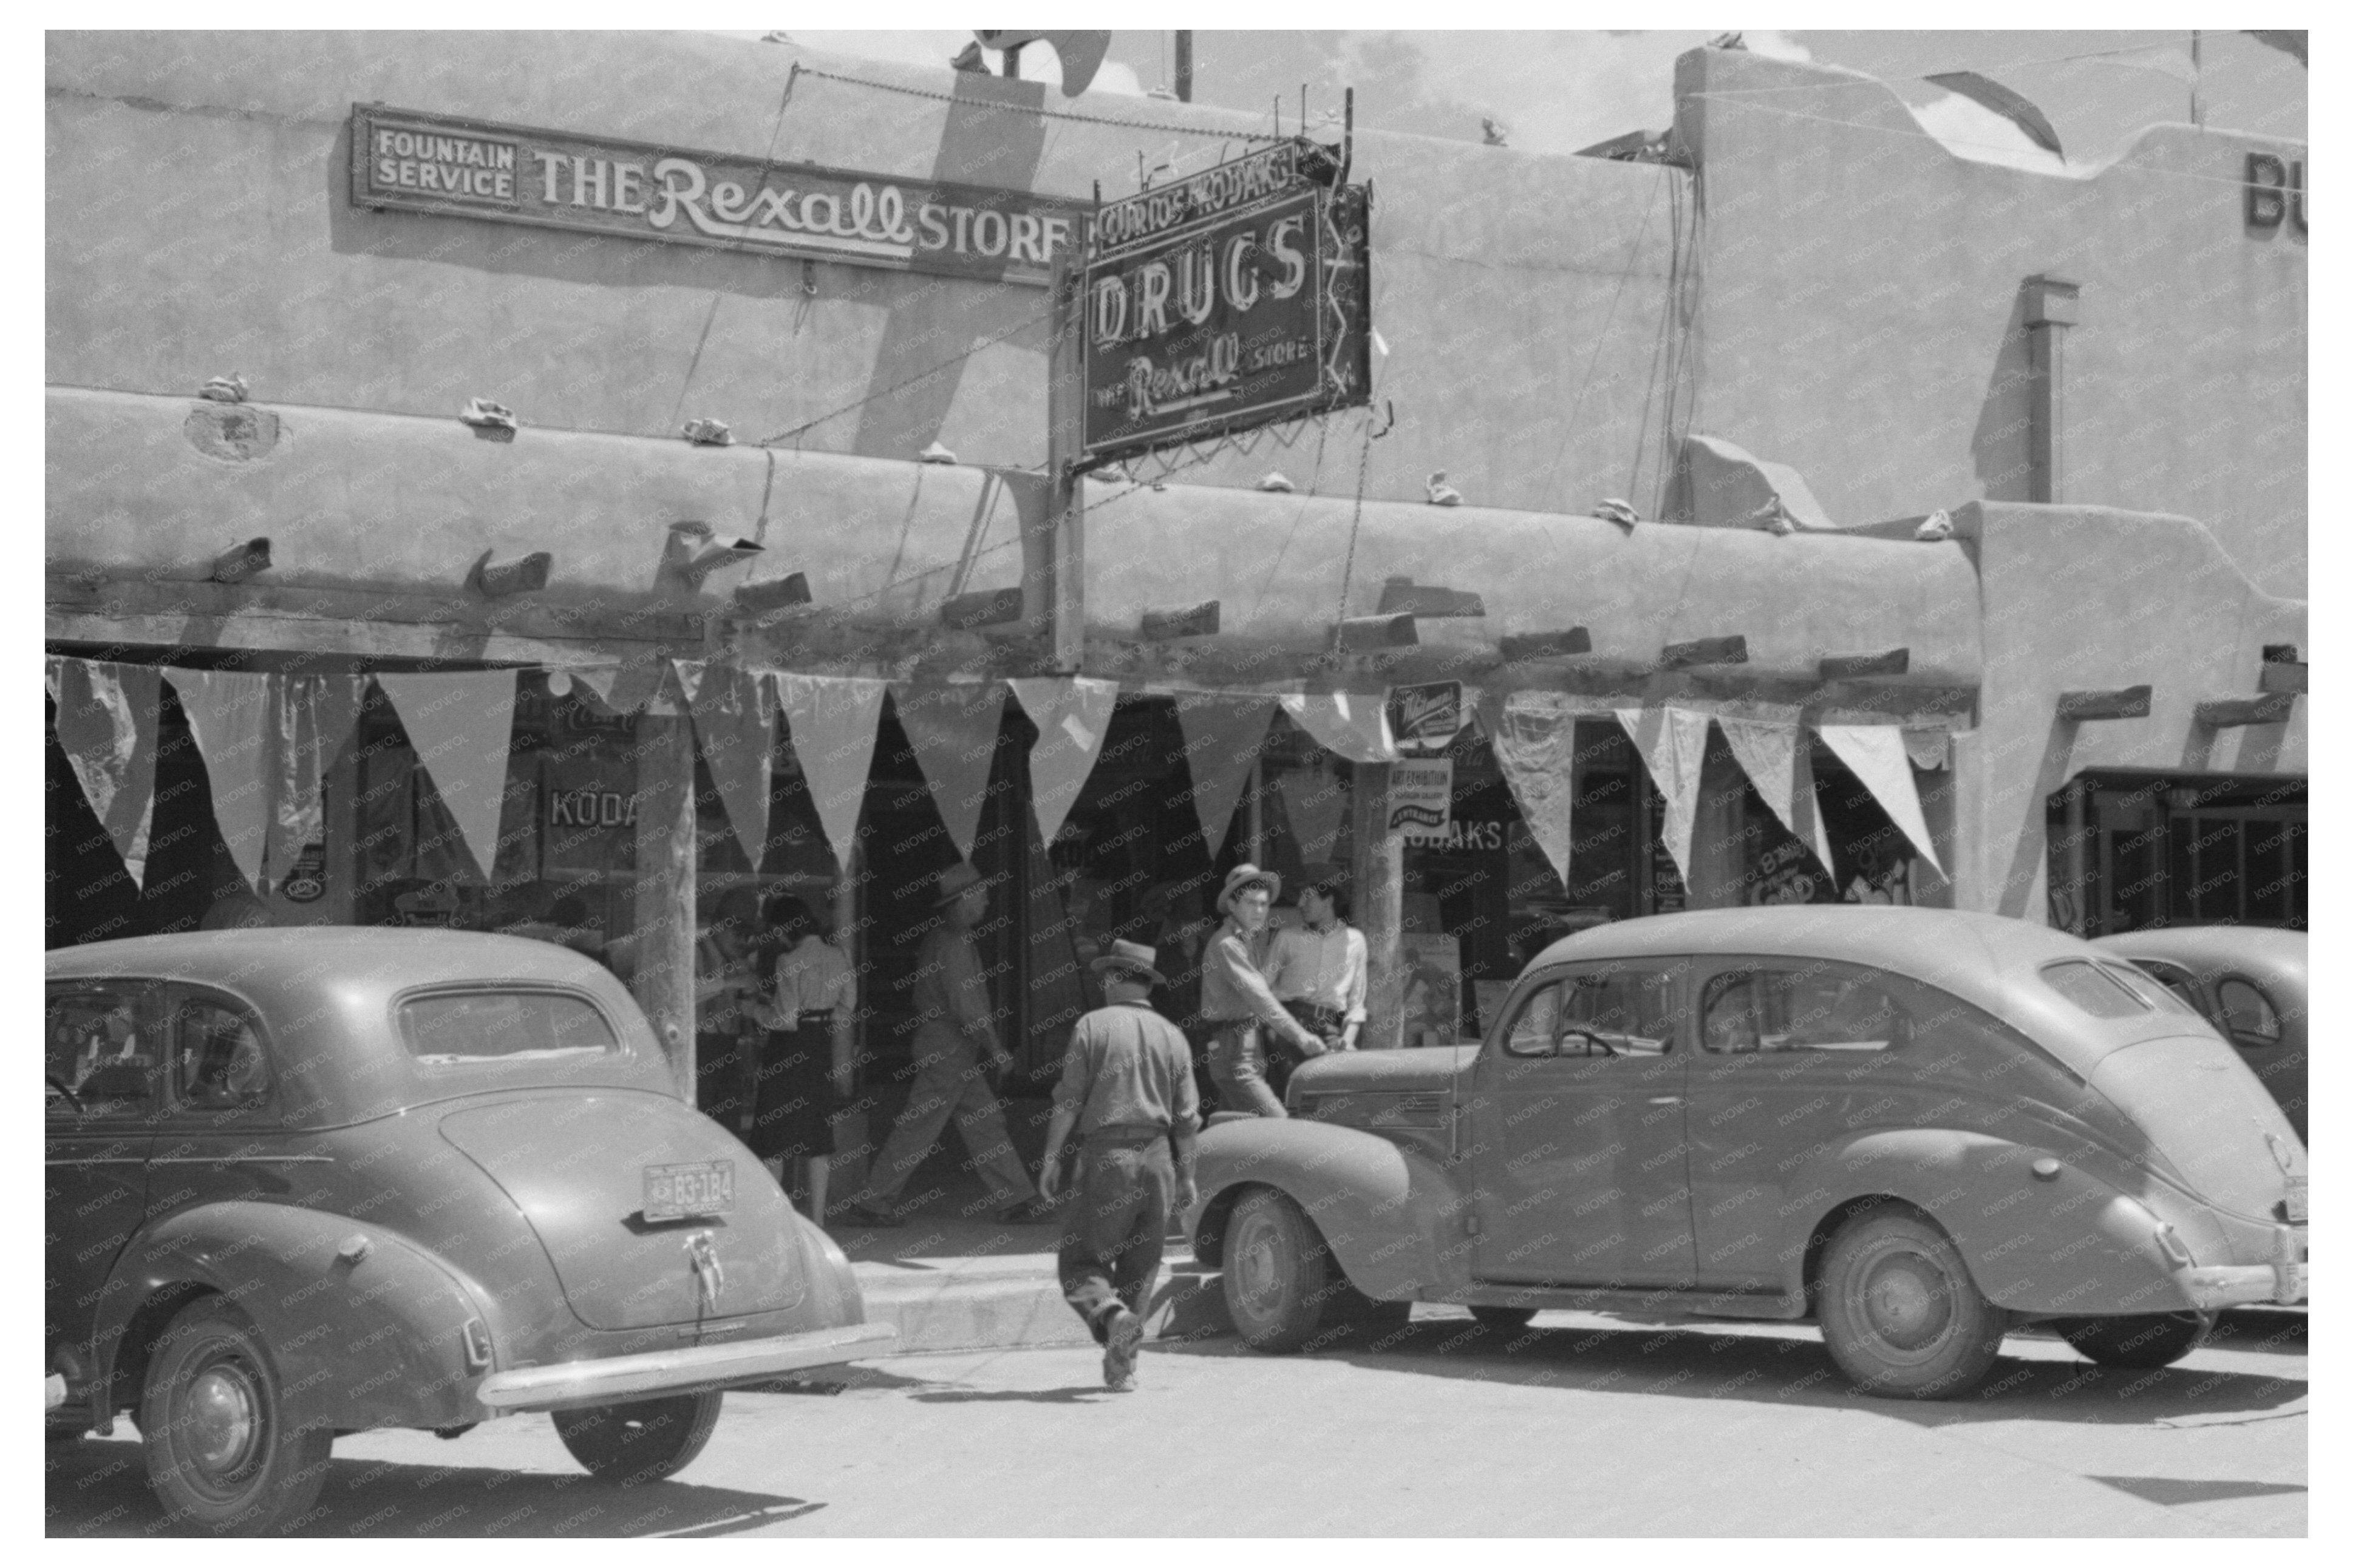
(2130, 851)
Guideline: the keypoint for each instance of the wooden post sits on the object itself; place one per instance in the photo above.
(1053, 598)
(1184, 65)
(662, 918)
(1380, 878)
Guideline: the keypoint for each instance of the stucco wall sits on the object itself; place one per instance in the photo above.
(2090, 599)
(198, 224)
(1859, 317)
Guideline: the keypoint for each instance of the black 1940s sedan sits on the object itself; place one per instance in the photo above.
(303, 1183)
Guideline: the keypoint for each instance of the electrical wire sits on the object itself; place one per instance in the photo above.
(1625, 275)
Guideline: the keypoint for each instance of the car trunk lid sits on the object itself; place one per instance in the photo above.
(575, 1165)
(2196, 1100)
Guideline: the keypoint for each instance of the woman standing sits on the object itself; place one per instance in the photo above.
(804, 1073)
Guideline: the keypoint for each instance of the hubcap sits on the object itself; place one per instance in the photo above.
(1255, 1263)
(1908, 1301)
(224, 1417)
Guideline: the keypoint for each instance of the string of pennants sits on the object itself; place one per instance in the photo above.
(267, 739)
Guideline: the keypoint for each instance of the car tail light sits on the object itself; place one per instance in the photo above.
(477, 1344)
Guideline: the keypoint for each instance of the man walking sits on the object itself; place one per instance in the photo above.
(1127, 1091)
(1238, 1007)
(951, 1028)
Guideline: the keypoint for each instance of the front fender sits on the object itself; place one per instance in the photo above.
(1389, 1213)
(2068, 1243)
(367, 1328)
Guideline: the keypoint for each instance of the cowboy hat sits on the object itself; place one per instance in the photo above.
(1246, 876)
(955, 880)
(1129, 958)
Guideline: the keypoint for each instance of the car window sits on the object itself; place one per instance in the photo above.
(446, 1027)
(2252, 1019)
(218, 1063)
(102, 1055)
(2145, 984)
(2176, 981)
(1536, 1026)
(2093, 989)
(1801, 1005)
(1615, 1009)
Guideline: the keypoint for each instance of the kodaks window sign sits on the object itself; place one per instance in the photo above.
(554, 179)
(1234, 298)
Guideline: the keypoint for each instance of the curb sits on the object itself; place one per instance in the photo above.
(1016, 1303)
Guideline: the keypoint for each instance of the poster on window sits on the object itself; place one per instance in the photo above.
(1421, 799)
(1433, 987)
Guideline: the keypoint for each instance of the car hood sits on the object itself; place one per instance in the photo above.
(574, 1164)
(1382, 1072)
(2193, 1098)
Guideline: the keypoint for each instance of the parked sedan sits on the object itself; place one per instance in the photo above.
(305, 1183)
(1918, 1128)
(2252, 983)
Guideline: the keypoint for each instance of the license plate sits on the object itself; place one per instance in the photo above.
(679, 1192)
(2299, 1204)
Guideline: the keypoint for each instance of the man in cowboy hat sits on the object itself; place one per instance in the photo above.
(1238, 1007)
(1127, 1090)
(952, 1027)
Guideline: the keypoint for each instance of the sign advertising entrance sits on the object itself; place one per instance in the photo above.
(1235, 298)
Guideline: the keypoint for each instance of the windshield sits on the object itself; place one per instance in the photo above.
(452, 1027)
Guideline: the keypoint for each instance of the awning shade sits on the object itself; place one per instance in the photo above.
(461, 724)
(1875, 754)
(833, 720)
(106, 726)
(1673, 743)
(1223, 732)
(1073, 717)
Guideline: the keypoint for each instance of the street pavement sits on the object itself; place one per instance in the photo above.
(1586, 1424)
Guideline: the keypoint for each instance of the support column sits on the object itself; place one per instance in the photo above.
(1184, 65)
(663, 916)
(1053, 595)
(1380, 878)
(2049, 312)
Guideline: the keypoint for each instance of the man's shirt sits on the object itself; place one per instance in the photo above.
(1128, 1066)
(1325, 968)
(950, 994)
(1233, 990)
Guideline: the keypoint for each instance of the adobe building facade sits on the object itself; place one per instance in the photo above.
(1820, 355)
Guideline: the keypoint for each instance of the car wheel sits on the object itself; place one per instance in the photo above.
(1899, 1312)
(647, 1440)
(1280, 1285)
(1504, 1320)
(2138, 1342)
(221, 1454)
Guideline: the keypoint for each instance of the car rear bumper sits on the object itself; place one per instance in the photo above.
(2281, 1280)
(618, 1379)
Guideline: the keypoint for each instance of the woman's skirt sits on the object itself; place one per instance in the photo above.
(795, 1103)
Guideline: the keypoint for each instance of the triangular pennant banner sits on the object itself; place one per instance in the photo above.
(297, 814)
(1072, 716)
(954, 732)
(1875, 754)
(1773, 755)
(461, 725)
(233, 716)
(1536, 747)
(106, 725)
(1673, 743)
(690, 673)
(831, 720)
(1349, 724)
(1223, 732)
(735, 721)
(1315, 803)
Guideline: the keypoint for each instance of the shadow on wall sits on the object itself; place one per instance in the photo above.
(931, 323)
(2000, 445)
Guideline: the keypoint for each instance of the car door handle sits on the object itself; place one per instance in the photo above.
(1666, 1099)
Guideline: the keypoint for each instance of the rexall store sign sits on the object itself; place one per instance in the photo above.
(405, 161)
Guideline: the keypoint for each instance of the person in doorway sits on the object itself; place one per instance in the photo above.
(1319, 967)
(1127, 1090)
(803, 1073)
(726, 1000)
(953, 1031)
(1238, 1007)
